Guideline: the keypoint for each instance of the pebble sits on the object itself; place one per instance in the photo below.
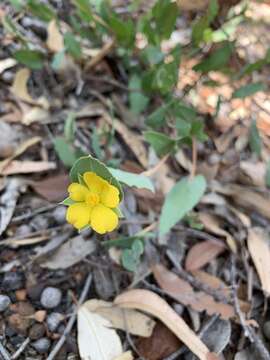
(50, 297)
(23, 230)
(59, 214)
(42, 345)
(36, 331)
(13, 281)
(39, 222)
(4, 302)
(53, 321)
(266, 329)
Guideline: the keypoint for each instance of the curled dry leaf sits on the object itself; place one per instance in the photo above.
(52, 188)
(55, 40)
(96, 339)
(150, 302)
(258, 246)
(211, 223)
(129, 320)
(183, 292)
(202, 253)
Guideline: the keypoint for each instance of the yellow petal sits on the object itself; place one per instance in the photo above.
(103, 219)
(94, 182)
(110, 196)
(77, 192)
(78, 215)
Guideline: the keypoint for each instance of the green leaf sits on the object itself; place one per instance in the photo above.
(152, 55)
(212, 10)
(180, 200)
(72, 45)
(158, 117)
(255, 141)
(137, 100)
(131, 257)
(216, 60)
(161, 143)
(67, 202)
(65, 151)
(130, 179)
(197, 130)
(41, 10)
(70, 127)
(183, 127)
(124, 31)
(30, 58)
(198, 30)
(267, 174)
(123, 242)
(88, 163)
(248, 90)
(165, 13)
(17, 4)
(84, 10)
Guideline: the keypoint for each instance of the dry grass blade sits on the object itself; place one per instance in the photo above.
(150, 302)
(26, 167)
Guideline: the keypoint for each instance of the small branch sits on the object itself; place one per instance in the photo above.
(72, 319)
(248, 331)
(194, 158)
(4, 353)
(21, 349)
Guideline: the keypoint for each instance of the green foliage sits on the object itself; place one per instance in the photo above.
(72, 45)
(137, 100)
(70, 127)
(65, 151)
(248, 90)
(267, 175)
(30, 58)
(255, 141)
(39, 9)
(84, 10)
(131, 179)
(131, 257)
(161, 143)
(182, 198)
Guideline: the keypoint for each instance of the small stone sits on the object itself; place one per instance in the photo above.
(50, 297)
(59, 214)
(266, 329)
(42, 345)
(53, 321)
(36, 331)
(13, 281)
(40, 222)
(21, 295)
(23, 230)
(4, 302)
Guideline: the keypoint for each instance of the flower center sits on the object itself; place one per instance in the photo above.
(92, 199)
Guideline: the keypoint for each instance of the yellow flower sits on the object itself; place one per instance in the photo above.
(93, 204)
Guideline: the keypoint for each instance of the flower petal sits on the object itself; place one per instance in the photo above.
(94, 182)
(103, 219)
(110, 196)
(78, 215)
(77, 192)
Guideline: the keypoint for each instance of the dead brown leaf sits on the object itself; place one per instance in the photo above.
(55, 40)
(26, 167)
(152, 303)
(258, 246)
(201, 254)
(53, 188)
(254, 171)
(183, 292)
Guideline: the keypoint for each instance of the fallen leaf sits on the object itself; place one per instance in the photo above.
(202, 253)
(183, 292)
(19, 151)
(132, 140)
(7, 64)
(27, 166)
(125, 356)
(258, 246)
(15, 242)
(160, 345)
(129, 320)
(8, 201)
(152, 303)
(55, 40)
(34, 114)
(211, 223)
(53, 188)
(217, 335)
(254, 171)
(96, 338)
(69, 254)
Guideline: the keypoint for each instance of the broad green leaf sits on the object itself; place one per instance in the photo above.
(248, 90)
(197, 130)
(88, 163)
(212, 10)
(137, 100)
(255, 141)
(17, 4)
(84, 9)
(123, 242)
(131, 257)
(184, 112)
(131, 179)
(183, 127)
(216, 60)
(42, 11)
(152, 54)
(70, 127)
(161, 143)
(198, 30)
(165, 13)
(267, 174)
(157, 118)
(30, 58)
(124, 31)
(72, 45)
(182, 198)
(65, 151)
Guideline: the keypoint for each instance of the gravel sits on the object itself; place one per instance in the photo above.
(13, 281)
(53, 321)
(50, 297)
(4, 302)
(59, 214)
